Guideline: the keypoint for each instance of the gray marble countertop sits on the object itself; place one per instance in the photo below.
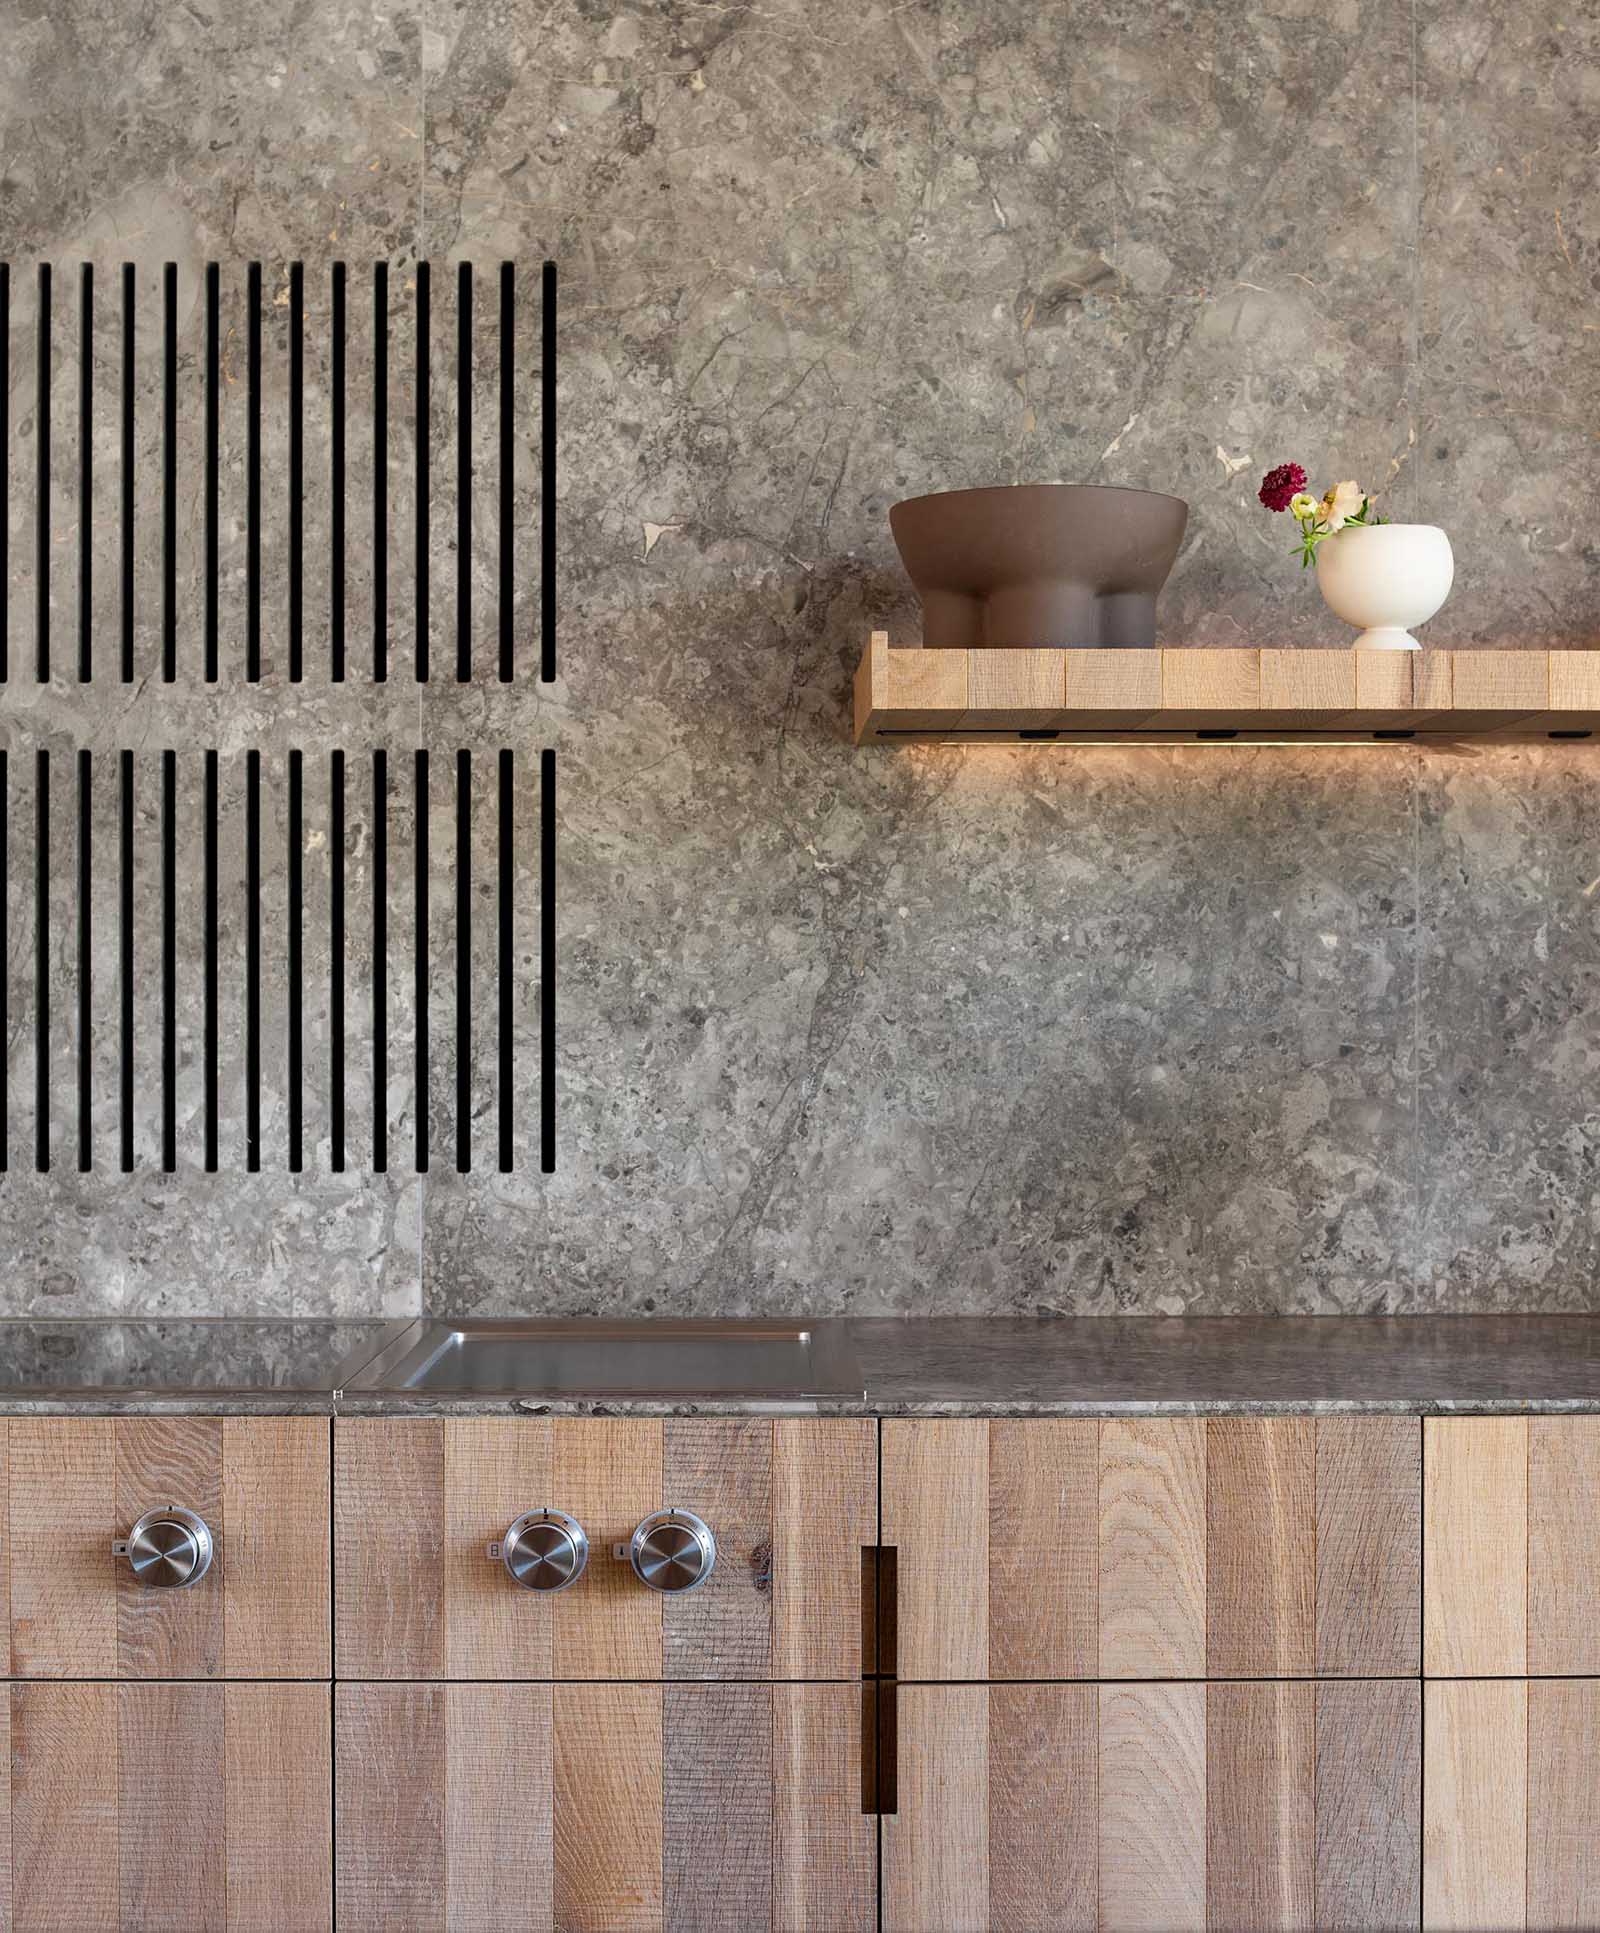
(912, 1366)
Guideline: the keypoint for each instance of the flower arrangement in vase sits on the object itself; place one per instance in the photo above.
(1382, 576)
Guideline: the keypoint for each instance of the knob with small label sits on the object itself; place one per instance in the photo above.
(168, 1550)
(544, 1550)
(673, 1550)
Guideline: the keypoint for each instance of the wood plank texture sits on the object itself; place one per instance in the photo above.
(163, 1460)
(824, 1847)
(277, 1528)
(1202, 681)
(1261, 1807)
(1153, 1547)
(1564, 1544)
(1114, 687)
(278, 1805)
(1369, 1805)
(1152, 1825)
(824, 1470)
(1260, 1546)
(1043, 1548)
(608, 1809)
(1011, 687)
(1369, 1545)
(1044, 1863)
(717, 1807)
(390, 1748)
(497, 1807)
(722, 1470)
(935, 1512)
(496, 1468)
(171, 1814)
(1475, 1574)
(63, 1576)
(1475, 1806)
(1303, 685)
(936, 1867)
(64, 1841)
(610, 1469)
(1563, 1884)
(388, 1498)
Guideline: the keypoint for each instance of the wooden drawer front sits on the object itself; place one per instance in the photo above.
(72, 1486)
(1044, 1808)
(1512, 1807)
(1171, 1547)
(1512, 1561)
(417, 1501)
(168, 1808)
(621, 1808)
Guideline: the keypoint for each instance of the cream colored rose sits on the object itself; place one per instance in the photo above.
(1341, 503)
(1303, 505)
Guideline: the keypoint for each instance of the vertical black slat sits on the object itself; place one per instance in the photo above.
(507, 460)
(169, 475)
(125, 958)
(42, 517)
(297, 468)
(507, 920)
(380, 962)
(252, 512)
(463, 962)
(211, 977)
(464, 474)
(169, 962)
(252, 963)
(86, 476)
(85, 968)
(5, 965)
(5, 508)
(424, 331)
(380, 473)
(336, 480)
(336, 958)
(547, 478)
(213, 457)
(547, 962)
(296, 964)
(41, 963)
(419, 966)
(128, 478)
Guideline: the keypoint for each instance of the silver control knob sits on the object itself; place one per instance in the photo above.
(544, 1550)
(167, 1549)
(673, 1550)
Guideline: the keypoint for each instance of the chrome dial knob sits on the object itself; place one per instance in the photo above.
(167, 1549)
(673, 1550)
(544, 1550)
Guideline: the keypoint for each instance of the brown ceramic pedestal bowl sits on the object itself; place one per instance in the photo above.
(1039, 563)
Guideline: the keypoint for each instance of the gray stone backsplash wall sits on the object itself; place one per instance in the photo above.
(943, 1029)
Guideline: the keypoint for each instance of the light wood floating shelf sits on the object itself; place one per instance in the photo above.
(1253, 695)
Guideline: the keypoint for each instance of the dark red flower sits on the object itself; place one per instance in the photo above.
(1279, 486)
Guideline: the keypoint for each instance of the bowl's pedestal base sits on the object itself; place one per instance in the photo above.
(1387, 637)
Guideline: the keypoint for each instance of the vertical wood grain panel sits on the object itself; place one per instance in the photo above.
(279, 1807)
(1043, 1830)
(1261, 1807)
(1369, 1545)
(824, 1847)
(389, 1785)
(63, 1576)
(64, 1849)
(1564, 1544)
(1260, 1546)
(277, 1527)
(717, 1824)
(6, 1894)
(171, 1817)
(1369, 1805)
(1153, 1547)
(610, 1469)
(1475, 1807)
(1044, 1511)
(936, 1514)
(164, 1460)
(495, 1469)
(388, 1502)
(936, 1847)
(608, 1806)
(1153, 1808)
(1475, 1574)
(1564, 1804)
(722, 1470)
(824, 1470)
(498, 1808)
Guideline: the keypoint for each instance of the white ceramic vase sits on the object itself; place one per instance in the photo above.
(1385, 578)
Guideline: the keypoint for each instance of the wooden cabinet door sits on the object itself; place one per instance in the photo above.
(71, 1486)
(1512, 1784)
(1162, 1547)
(617, 1808)
(1046, 1808)
(1512, 1559)
(792, 1504)
(167, 1808)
